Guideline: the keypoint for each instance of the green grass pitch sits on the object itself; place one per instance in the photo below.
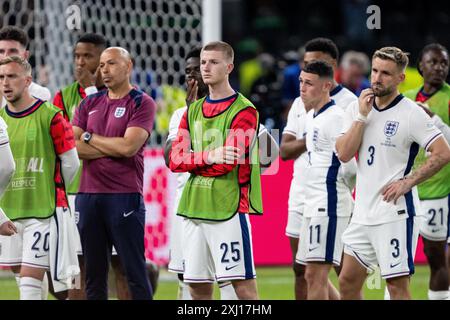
(274, 283)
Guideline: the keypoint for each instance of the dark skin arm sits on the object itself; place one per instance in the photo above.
(192, 92)
(291, 148)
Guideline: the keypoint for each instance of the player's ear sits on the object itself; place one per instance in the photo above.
(26, 54)
(28, 80)
(327, 85)
(420, 68)
(230, 67)
(130, 66)
(334, 65)
(402, 76)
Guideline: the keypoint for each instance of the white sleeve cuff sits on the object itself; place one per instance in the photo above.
(171, 137)
(90, 90)
(69, 165)
(3, 217)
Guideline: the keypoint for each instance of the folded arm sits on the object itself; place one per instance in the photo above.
(120, 147)
(236, 148)
(291, 147)
(85, 151)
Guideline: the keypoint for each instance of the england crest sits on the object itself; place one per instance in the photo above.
(120, 111)
(315, 135)
(390, 128)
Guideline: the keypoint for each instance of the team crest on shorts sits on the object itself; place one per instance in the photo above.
(390, 128)
(120, 111)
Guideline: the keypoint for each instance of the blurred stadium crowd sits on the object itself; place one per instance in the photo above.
(268, 36)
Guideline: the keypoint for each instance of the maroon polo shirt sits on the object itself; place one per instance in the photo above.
(110, 118)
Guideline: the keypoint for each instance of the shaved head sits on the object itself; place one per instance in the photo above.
(115, 67)
(123, 53)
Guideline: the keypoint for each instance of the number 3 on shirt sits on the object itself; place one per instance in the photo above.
(371, 155)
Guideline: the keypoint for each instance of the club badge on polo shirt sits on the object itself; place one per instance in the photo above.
(120, 111)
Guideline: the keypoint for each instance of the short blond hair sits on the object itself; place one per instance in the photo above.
(220, 46)
(394, 54)
(26, 66)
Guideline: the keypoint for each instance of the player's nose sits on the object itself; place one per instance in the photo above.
(439, 67)
(190, 76)
(376, 78)
(206, 66)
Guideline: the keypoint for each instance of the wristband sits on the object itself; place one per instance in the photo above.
(361, 118)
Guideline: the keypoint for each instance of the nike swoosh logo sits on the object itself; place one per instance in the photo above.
(93, 111)
(39, 256)
(128, 213)
(312, 249)
(229, 268)
(394, 265)
(435, 230)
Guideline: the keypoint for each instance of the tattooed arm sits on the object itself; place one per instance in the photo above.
(440, 156)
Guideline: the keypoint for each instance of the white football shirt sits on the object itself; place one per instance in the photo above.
(3, 132)
(182, 177)
(342, 96)
(296, 126)
(5, 154)
(326, 193)
(391, 139)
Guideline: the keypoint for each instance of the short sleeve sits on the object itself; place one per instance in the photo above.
(174, 123)
(292, 126)
(144, 115)
(422, 129)
(3, 133)
(40, 92)
(334, 127)
(347, 101)
(46, 94)
(349, 116)
(80, 117)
